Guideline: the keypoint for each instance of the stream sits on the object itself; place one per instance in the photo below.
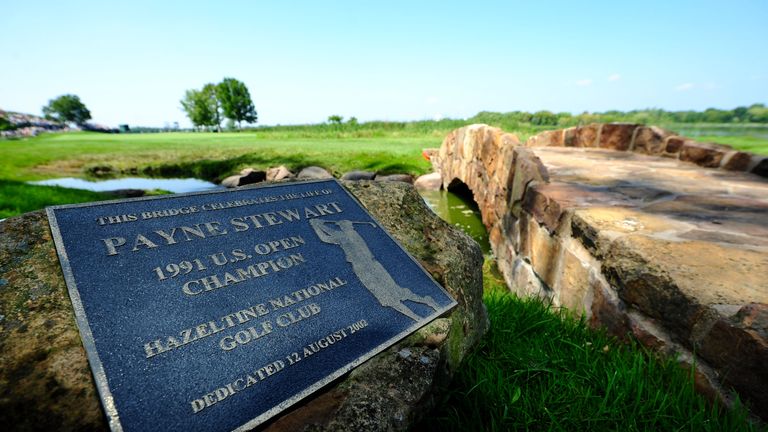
(455, 209)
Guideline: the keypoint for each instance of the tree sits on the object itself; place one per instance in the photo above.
(67, 108)
(198, 108)
(210, 93)
(758, 113)
(236, 101)
(544, 118)
(335, 119)
(203, 107)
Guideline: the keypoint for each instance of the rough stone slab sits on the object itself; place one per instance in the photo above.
(650, 140)
(617, 136)
(431, 181)
(47, 382)
(358, 175)
(703, 154)
(661, 248)
(314, 172)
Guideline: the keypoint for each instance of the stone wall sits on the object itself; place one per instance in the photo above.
(654, 141)
(631, 227)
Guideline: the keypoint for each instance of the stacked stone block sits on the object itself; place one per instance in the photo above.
(631, 227)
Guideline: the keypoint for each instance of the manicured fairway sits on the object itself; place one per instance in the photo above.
(207, 155)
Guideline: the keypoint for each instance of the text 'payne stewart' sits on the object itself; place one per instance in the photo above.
(173, 235)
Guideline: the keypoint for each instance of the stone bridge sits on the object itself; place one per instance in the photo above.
(641, 231)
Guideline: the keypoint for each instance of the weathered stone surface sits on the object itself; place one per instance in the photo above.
(737, 161)
(431, 181)
(586, 136)
(606, 309)
(675, 282)
(675, 144)
(314, 173)
(739, 345)
(247, 176)
(47, 383)
(574, 285)
(545, 139)
(650, 140)
(703, 154)
(761, 168)
(44, 374)
(231, 181)
(661, 249)
(616, 136)
(279, 173)
(404, 178)
(543, 250)
(359, 175)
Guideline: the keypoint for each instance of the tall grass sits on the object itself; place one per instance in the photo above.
(541, 369)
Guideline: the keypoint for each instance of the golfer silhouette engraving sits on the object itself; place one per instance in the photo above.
(370, 272)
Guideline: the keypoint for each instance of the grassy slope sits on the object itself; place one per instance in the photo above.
(541, 369)
(378, 147)
(56, 155)
(18, 197)
(745, 143)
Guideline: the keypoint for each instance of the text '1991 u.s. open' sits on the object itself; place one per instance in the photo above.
(216, 311)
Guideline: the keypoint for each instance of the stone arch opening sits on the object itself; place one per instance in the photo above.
(460, 189)
(464, 212)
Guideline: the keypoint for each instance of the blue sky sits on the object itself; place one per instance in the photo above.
(131, 62)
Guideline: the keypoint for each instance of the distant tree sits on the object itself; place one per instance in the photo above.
(335, 119)
(713, 115)
(210, 92)
(203, 107)
(758, 113)
(236, 101)
(5, 124)
(67, 109)
(198, 108)
(544, 118)
(352, 121)
(740, 113)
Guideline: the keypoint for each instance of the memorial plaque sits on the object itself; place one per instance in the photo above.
(218, 310)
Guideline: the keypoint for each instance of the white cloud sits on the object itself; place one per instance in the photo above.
(614, 77)
(584, 82)
(685, 87)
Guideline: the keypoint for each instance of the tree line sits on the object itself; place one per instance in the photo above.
(755, 113)
(228, 99)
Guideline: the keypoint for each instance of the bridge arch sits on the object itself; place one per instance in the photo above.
(635, 228)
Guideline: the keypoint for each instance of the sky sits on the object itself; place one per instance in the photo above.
(131, 62)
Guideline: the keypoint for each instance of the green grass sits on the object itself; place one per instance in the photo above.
(742, 142)
(541, 369)
(208, 155)
(17, 197)
(537, 368)
(375, 146)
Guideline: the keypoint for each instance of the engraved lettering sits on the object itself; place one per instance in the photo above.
(168, 237)
(239, 224)
(112, 244)
(141, 240)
